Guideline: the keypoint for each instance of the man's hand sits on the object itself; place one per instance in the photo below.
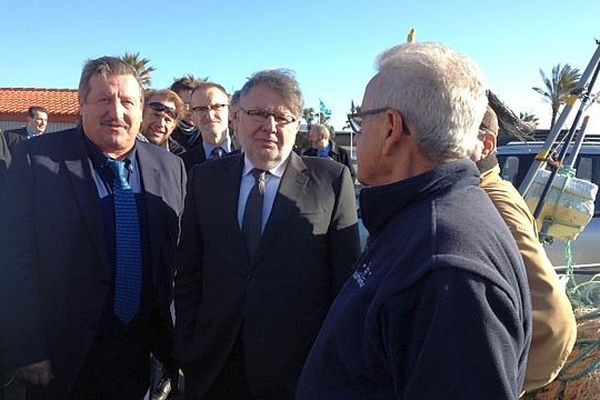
(37, 374)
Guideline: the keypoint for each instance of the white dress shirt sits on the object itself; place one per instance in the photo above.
(273, 178)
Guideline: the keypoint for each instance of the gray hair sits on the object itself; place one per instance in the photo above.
(439, 92)
(320, 128)
(105, 67)
(283, 82)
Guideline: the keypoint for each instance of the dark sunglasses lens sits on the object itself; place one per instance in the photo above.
(162, 108)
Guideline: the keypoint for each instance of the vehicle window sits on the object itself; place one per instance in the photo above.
(510, 169)
(588, 168)
(584, 168)
(514, 168)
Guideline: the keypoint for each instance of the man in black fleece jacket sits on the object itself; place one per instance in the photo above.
(438, 307)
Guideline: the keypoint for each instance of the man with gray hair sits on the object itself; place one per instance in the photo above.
(322, 146)
(268, 239)
(93, 221)
(438, 306)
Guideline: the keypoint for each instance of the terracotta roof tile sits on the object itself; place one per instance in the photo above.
(56, 101)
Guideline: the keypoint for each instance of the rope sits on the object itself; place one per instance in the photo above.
(585, 295)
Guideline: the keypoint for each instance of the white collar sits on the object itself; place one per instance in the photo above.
(277, 171)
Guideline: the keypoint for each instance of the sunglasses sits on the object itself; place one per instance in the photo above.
(160, 107)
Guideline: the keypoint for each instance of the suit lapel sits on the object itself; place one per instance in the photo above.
(80, 172)
(151, 184)
(232, 177)
(292, 185)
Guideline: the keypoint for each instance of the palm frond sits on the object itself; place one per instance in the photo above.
(511, 127)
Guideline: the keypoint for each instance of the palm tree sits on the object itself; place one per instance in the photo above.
(562, 82)
(141, 65)
(308, 114)
(192, 78)
(529, 118)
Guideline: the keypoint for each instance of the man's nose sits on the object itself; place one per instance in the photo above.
(116, 109)
(270, 124)
(210, 114)
(163, 122)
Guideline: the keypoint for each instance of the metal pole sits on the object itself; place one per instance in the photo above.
(570, 162)
(351, 146)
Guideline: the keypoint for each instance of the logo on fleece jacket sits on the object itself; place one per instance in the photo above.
(363, 273)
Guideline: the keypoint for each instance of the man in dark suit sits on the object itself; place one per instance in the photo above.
(37, 122)
(261, 258)
(210, 112)
(85, 284)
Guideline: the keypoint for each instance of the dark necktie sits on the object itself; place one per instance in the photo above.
(252, 222)
(217, 152)
(128, 274)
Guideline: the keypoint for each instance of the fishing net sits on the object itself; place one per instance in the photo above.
(580, 377)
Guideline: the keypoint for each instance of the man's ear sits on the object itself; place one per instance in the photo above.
(489, 144)
(394, 128)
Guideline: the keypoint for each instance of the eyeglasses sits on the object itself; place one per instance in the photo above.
(356, 119)
(205, 109)
(260, 116)
(160, 107)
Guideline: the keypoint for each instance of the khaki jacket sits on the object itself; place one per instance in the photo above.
(554, 327)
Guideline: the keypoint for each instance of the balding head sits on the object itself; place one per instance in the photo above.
(319, 136)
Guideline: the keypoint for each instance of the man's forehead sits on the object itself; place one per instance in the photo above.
(102, 81)
(40, 114)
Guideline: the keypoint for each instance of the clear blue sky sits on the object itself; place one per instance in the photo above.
(331, 45)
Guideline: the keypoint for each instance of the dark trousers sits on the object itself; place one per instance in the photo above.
(117, 367)
(231, 383)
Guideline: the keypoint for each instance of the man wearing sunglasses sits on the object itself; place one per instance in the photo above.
(163, 110)
(210, 113)
(439, 304)
(268, 239)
